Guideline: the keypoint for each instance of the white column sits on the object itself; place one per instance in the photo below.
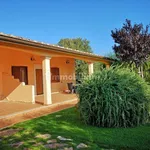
(91, 69)
(46, 81)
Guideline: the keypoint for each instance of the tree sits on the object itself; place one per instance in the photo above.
(78, 44)
(132, 43)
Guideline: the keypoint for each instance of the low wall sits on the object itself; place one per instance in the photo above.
(23, 93)
(14, 90)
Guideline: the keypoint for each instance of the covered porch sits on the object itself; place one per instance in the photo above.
(34, 79)
(32, 71)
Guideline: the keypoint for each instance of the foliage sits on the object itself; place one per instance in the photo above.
(76, 43)
(146, 70)
(98, 66)
(116, 61)
(132, 43)
(82, 45)
(114, 97)
(68, 125)
(81, 70)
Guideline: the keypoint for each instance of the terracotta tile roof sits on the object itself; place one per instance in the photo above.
(51, 46)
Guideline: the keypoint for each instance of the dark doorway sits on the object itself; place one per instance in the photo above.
(21, 73)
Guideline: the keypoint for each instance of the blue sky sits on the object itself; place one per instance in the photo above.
(51, 20)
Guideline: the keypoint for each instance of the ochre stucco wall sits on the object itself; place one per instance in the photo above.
(1, 86)
(8, 84)
(66, 70)
(9, 58)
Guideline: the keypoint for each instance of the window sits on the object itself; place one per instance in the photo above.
(55, 77)
(21, 73)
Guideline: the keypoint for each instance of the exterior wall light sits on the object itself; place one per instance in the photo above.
(67, 61)
(32, 58)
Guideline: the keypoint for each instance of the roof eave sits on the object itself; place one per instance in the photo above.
(36, 44)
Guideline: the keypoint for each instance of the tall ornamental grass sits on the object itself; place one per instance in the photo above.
(114, 98)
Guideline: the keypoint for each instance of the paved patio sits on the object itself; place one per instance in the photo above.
(7, 108)
(13, 112)
(56, 98)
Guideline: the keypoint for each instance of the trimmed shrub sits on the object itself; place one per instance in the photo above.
(114, 98)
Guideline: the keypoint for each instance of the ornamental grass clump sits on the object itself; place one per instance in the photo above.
(114, 98)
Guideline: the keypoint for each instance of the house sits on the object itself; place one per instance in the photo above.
(29, 68)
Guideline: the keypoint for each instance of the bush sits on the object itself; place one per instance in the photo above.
(114, 98)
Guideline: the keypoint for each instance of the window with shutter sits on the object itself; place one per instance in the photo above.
(55, 77)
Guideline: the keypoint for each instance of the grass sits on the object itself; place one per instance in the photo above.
(67, 124)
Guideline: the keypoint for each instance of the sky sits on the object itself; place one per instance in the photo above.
(51, 20)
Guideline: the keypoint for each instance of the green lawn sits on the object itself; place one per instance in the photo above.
(67, 124)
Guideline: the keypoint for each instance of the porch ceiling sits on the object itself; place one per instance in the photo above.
(43, 49)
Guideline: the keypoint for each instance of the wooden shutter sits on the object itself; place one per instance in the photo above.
(55, 76)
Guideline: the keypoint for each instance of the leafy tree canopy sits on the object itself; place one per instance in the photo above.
(132, 43)
(76, 43)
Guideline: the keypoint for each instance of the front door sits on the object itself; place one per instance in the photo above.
(39, 82)
(21, 73)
